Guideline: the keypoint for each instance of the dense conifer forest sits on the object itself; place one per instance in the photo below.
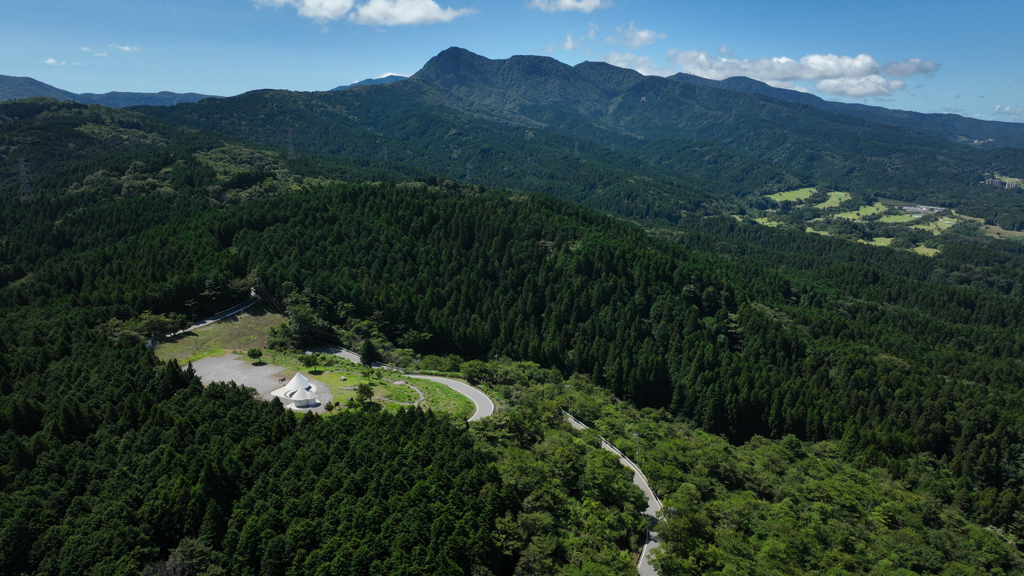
(804, 403)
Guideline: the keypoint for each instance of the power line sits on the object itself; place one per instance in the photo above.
(55, 164)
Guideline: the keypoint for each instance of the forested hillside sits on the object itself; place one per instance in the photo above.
(532, 123)
(805, 402)
(988, 134)
(894, 365)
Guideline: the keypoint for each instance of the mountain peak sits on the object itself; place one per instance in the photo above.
(456, 66)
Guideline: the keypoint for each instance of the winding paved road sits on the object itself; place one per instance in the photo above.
(653, 503)
(484, 406)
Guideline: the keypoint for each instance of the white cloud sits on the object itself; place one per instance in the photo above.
(84, 49)
(642, 64)
(635, 38)
(124, 48)
(811, 67)
(851, 76)
(319, 10)
(910, 67)
(871, 85)
(397, 12)
(1010, 114)
(592, 30)
(569, 44)
(51, 61)
(569, 5)
(373, 12)
(103, 54)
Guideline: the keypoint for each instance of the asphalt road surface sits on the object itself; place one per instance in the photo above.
(653, 504)
(484, 406)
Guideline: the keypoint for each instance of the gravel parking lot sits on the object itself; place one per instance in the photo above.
(264, 379)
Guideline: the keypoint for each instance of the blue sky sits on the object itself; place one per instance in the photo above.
(960, 57)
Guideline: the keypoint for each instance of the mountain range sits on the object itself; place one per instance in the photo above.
(14, 88)
(531, 122)
(953, 127)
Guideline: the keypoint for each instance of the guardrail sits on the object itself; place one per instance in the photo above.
(616, 450)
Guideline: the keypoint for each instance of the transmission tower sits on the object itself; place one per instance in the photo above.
(26, 189)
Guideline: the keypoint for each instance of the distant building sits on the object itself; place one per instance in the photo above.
(923, 209)
(994, 182)
(1012, 185)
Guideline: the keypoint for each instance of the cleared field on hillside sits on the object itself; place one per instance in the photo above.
(793, 195)
(1001, 233)
(937, 226)
(863, 211)
(240, 332)
(879, 241)
(834, 199)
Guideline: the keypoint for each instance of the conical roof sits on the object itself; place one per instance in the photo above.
(302, 395)
(298, 382)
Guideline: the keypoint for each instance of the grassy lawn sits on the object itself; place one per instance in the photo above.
(813, 231)
(396, 392)
(897, 218)
(766, 222)
(924, 251)
(342, 377)
(793, 195)
(863, 211)
(1000, 233)
(834, 199)
(879, 241)
(443, 398)
(240, 332)
(437, 397)
(250, 329)
(937, 226)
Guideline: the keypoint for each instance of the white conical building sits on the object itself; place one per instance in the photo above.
(298, 382)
